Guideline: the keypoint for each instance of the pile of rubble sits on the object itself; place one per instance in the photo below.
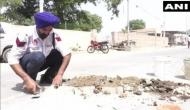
(166, 89)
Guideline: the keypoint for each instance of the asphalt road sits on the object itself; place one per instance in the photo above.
(124, 63)
(137, 63)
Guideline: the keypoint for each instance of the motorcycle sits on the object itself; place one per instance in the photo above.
(99, 46)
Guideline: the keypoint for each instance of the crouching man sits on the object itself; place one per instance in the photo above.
(37, 50)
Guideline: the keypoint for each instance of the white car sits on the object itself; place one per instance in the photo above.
(5, 48)
(7, 38)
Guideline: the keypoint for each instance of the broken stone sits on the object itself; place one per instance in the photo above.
(127, 88)
(173, 99)
(184, 97)
(84, 95)
(123, 95)
(130, 84)
(162, 98)
(155, 103)
(137, 92)
(96, 91)
(106, 92)
(146, 89)
(119, 77)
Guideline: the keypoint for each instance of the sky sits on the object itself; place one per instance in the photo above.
(150, 11)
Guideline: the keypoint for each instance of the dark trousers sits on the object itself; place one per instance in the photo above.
(188, 44)
(35, 62)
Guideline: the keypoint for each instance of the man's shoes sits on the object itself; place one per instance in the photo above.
(45, 80)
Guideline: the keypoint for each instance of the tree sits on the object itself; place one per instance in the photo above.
(87, 21)
(28, 8)
(68, 11)
(5, 3)
(69, 6)
(20, 12)
(137, 24)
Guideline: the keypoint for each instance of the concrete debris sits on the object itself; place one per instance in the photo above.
(166, 89)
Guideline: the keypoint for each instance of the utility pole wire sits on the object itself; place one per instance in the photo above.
(145, 11)
(128, 27)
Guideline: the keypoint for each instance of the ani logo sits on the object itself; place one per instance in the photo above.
(176, 6)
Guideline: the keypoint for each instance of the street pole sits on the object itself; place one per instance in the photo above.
(155, 38)
(41, 6)
(164, 32)
(186, 24)
(128, 23)
(66, 19)
(164, 24)
(65, 24)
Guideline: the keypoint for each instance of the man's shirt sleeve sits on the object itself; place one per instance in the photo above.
(18, 49)
(61, 45)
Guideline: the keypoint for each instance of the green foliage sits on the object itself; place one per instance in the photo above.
(73, 18)
(28, 8)
(14, 14)
(21, 12)
(87, 21)
(137, 24)
(112, 5)
(5, 3)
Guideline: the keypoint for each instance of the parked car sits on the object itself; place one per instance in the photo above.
(6, 40)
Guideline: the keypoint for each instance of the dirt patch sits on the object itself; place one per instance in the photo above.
(101, 80)
(136, 85)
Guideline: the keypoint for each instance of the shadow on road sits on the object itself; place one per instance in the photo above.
(19, 87)
(151, 74)
(181, 77)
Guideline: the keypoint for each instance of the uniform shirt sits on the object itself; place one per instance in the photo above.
(188, 38)
(31, 42)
